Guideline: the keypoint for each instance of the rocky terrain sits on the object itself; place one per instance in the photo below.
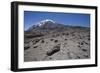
(52, 41)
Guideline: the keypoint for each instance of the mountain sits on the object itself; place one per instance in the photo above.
(50, 40)
(49, 24)
(46, 24)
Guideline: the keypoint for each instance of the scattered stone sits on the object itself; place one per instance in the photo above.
(57, 35)
(46, 42)
(42, 41)
(88, 35)
(81, 43)
(69, 55)
(86, 56)
(74, 43)
(35, 59)
(53, 50)
(26, 47)
(40, 49)
(79, 46)
(56, 41)
(88, 38)
(73, 34)
(51, 39)
(63, 33)
(86, 43)
(78, 57)
(50, 58)
(35, 46)
(67, 33)
(84, 50)
(53, 36)
(80, 37)
(35, 41)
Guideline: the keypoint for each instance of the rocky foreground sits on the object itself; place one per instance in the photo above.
(67, 44)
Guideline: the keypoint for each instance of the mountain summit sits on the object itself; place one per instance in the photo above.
(46, 24)
(47, 21)
(50, 25)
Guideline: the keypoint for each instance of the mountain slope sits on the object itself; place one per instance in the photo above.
(53, 41)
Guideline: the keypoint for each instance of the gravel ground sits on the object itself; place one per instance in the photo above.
(66, 45)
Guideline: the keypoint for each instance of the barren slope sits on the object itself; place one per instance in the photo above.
(65, 45)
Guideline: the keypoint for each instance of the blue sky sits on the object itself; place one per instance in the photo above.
(74, 19)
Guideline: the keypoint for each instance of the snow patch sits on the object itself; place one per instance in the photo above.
(45, 21)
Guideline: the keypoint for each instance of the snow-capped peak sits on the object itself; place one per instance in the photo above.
(46, 21)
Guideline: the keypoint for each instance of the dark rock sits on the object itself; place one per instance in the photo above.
(84, 50)
(57, 34)
(88, 38)
(86, 43)
(56, 41)
(35, 41)
(73, 34)
(63, 33)
(86, 56)
(33, 36)
(78, 57)
(35, 59)
(26, 47)
(35, 46)
(51, 39)
(50, 58)
(42, 41)
(67, 33)
(79, 46)
(53, 50)
(81, 43)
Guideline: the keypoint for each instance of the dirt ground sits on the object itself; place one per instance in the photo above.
(66, 45)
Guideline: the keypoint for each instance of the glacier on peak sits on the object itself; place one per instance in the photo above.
(45, 21)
